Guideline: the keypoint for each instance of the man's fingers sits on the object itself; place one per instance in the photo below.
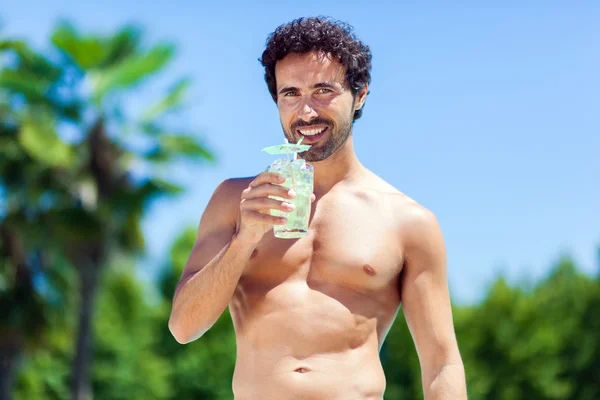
(258, 217)
(267, 177)
(265, 204)
(265, 190)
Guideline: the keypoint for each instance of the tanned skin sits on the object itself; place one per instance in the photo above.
(310, 314)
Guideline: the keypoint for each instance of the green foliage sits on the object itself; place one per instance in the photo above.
(533, 343)
(45, 368)
(23, 82)
(40, 140)
(78, 198)
(127, 365)
(135, 355)
(45, 372)
(130, 71)
(173, 100)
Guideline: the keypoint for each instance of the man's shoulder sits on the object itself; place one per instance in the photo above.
(224, 202)
(419, 231)
(380, 189)
(418, 225)
(232, 186)
(411, 214)
(226, 196)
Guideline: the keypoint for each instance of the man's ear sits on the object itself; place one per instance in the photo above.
(361, 97)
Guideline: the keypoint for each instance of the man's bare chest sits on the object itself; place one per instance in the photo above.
(350, 242)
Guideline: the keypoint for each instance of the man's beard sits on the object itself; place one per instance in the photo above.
(336, 137)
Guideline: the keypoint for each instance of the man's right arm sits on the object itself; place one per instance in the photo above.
(235, 219)
(213, 268)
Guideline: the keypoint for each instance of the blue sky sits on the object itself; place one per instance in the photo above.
(489, 115)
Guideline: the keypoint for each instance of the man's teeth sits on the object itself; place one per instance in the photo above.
(311, 132)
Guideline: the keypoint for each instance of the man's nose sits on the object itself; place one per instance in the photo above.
(307, 111)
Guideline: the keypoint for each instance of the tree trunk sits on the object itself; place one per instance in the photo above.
(102, 165)
(90, 261)
(81, 386)
(10, 355)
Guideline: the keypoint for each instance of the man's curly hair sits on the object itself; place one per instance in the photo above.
(320, 34)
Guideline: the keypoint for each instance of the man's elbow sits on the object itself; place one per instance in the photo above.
(178, 332)
(447, 383)
(182, 333)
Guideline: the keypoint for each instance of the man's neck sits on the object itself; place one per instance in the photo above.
(343, 165)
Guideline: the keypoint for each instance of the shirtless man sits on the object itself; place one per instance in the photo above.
(310, 314)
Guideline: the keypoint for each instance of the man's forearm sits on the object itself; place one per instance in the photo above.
(448, 384)
(201, 299)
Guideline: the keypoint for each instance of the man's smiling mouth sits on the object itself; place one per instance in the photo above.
(311, 135)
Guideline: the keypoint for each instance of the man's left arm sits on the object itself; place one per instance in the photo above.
(427, 308)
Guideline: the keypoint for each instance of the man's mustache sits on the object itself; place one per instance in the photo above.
(317, 121)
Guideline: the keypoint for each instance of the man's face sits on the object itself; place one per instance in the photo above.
(314, 102)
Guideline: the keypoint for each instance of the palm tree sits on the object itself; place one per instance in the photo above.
(32, 288)
(94, 195)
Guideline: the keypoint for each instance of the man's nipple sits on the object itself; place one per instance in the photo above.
(369, 270)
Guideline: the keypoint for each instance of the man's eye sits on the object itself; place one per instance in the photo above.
(289, 94)
(324, 90)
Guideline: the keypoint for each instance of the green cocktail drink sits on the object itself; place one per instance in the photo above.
(298, 176)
